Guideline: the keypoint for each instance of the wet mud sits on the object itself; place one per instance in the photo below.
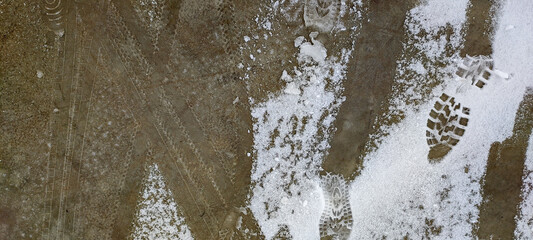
(368, 82)
(502, 183)
(123, 93)
(93, 92)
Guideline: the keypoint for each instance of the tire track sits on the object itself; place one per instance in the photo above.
(153, 132)
(502, 183)
(371, 77)
(191, 144)
(60, 128)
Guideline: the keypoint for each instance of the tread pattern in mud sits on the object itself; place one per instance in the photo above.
(321, 14)
(283, 233)
(475, 70)
(53, 10)
(336, 219)
(446, 123)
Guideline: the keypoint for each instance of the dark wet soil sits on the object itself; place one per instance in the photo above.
(480, 27)
(502, 183)
(118, 94)
(369, 81)
(113, 99)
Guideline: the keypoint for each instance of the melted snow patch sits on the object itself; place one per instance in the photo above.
(157, 215)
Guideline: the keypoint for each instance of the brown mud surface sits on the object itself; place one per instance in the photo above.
(93, 92)
(117, 92)
(502, 183)
(370, 76)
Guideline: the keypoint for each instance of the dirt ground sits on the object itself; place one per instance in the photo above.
(92, 92)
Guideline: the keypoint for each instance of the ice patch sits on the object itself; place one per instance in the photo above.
(313, 49)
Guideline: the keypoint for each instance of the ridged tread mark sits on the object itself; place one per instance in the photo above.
(77, 113)
(52, 132)
(220, 122)
(126, 187)
(475, 70)
(65, 101)
(232, 80)
(53, 10)
(89, 103)
(283, 233)
(152, 14)
(336, 219)
(127, 194)
(149, 127)
(445, 126)
(140, 86)
(171, 110)
(174, 153)
(322, 15)
(124, 174)
(223, 159)
(220, 155)
(141, 89)
(128, 47)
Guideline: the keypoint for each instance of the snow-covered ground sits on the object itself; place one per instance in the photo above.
(157, 213)
(399, 193)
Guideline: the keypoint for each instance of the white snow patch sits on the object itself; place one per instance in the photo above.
(157, 215)
(313, 49)
(298, 41)
(399, 193)
(292, 88)
(513, 54)
(286, 142)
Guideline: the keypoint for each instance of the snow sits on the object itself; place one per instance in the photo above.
(292, 88)
(288, 150)
(313, 49)
(513, 52)
(399, 193)
(157, 215)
